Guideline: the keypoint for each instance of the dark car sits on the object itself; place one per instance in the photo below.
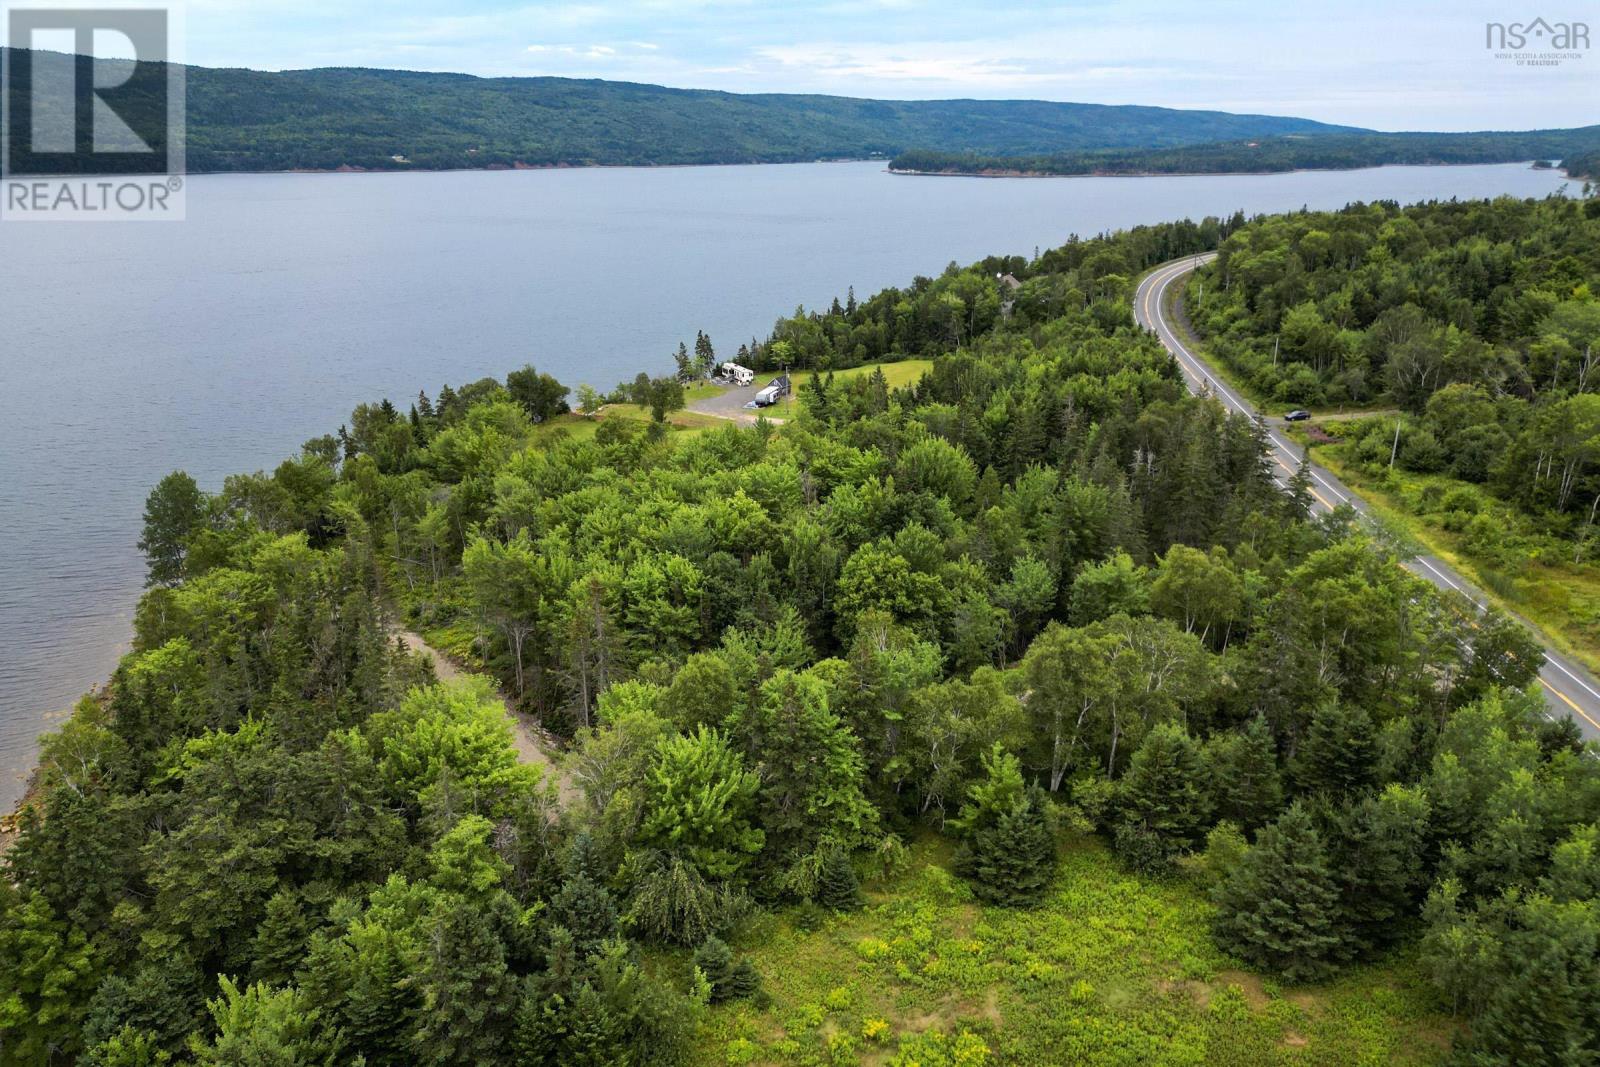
(1297, 415)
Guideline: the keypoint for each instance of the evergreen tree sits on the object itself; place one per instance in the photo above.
(280, 942)
(1376, 852)
(468, 995)
(1008, 851)
(744, 983)
(1337, 755)
(1299, 496)
(811, 767)
(837, 887)
(1012, 863)
(714, 960)
(585, 907)
(1242, 769)
(1278, 907)
(1164, 790)
(705, 357)
(263, 1027)
(47, 971)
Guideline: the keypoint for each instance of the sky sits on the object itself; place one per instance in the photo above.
(1386, 65)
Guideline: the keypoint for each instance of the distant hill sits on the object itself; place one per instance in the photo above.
(1578, 150)
(333, 117)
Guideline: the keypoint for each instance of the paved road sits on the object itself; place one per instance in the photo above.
(1569, 690)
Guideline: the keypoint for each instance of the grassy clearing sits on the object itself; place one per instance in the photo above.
(701, 391)
(899, 375)
(582, 428)
(1561, 600)
(1111, 969)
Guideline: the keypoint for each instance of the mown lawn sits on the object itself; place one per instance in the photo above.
(1111, 969)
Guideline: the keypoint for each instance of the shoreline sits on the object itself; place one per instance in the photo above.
(519, 166)
(990, 172)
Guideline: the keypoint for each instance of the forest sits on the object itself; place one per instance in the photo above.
(247, 120)
(1575, 149)
(1467, 332)
(1037, 607)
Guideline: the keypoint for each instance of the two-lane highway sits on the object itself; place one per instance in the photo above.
(1568, 689)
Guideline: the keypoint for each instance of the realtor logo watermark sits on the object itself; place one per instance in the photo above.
(1537, 42)
(91, 115)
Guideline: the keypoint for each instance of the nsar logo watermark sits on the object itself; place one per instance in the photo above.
(91, 115)
(1539, 42)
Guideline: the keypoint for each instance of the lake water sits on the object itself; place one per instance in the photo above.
(221, 344)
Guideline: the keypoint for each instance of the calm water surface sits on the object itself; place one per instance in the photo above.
(220, 344)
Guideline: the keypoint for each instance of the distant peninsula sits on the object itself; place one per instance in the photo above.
(1577, 151)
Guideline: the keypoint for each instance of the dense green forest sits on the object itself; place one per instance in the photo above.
(1042, 593)
(1575, 148)
(322, 119)
(1478, 321)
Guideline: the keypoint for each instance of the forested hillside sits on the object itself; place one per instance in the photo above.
(1479, 322)
(1575, 149)
(258, 120)
(1041, 597)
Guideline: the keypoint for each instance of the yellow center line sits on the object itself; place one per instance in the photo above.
(1568, 701)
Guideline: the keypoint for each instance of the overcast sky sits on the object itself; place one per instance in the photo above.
(1387, 65)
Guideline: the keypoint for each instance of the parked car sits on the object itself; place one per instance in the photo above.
(1297, 415)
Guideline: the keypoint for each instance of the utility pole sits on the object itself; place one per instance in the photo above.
(1394, 450)
(1275, 339)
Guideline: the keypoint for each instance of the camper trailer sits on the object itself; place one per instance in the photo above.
(774, 391)
(738, 375)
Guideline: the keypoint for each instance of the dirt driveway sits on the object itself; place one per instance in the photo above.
(730, 404)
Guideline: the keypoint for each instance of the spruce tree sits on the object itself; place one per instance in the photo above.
(280, 941)
(1013, 861)
(1337, 754)
(1299, 495)
(714, 960)
(1242, 769)
(587, 909)
(745, 981)
(1376, 847)
(1278, 908)
(837, 887)
(1009, 852)
(1164, 790)
(469, 996)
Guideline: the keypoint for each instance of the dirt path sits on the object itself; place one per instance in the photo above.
(534, 746)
